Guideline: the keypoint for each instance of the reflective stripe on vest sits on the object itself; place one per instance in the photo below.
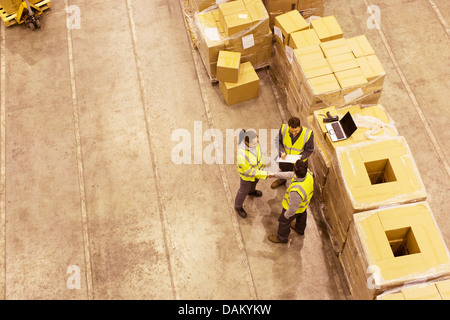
(304, 188)
(256, 162)
(297, 147)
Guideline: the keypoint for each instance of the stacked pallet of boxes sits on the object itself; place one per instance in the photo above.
(325, 69)
(373, 123)
(437, 290)
(307, 8)
(392, 247)
(238, 26)
(366, 176)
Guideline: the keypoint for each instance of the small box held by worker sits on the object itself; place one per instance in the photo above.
(246, 88)
(228, 66)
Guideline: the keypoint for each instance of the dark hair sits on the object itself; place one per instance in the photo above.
(248, 135)
(294, 122)
(300, 168)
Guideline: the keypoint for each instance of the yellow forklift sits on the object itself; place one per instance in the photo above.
(23, 12)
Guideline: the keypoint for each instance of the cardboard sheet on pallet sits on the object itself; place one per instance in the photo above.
(239, 26)
(390, 247)
(370, 175)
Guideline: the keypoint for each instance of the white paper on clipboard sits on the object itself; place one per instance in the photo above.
(290, 158)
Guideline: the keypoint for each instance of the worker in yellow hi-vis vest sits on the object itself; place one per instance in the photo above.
(250, 165)
(295, 202)
(293, 139)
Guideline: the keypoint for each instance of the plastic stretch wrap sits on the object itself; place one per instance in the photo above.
(254, 42)
(394, 247)
(436, 290)
(369, 175)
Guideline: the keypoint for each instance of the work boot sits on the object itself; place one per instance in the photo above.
(255, 193)
(241, 212)
(274, 238)
(293, 227)
(277, 183)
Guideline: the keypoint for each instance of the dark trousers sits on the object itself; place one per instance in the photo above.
(245, 188)
(284, 225)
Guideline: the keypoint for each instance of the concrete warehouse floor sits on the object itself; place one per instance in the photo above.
(89, 189)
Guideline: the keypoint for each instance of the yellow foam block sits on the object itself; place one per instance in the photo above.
(335, 47)
(444, 289)
(303, 38)
(405, 244)
(327, 28)
(342, 62)
(228, 66)
(360, 46)
(246, 88)
(379, 173)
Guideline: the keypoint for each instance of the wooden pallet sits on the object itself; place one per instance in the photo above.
(10, 19)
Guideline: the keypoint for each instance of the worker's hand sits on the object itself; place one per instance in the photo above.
(270, 175)
(283, 156)
(286, 217)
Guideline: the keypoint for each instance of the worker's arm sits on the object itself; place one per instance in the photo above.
(294, 202)
(288, 175)
(309, 147)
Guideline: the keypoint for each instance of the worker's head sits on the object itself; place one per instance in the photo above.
(294, 126)
(300, 168)
(250, 137)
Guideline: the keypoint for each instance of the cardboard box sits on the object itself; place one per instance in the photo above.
(228, 66)
(342, 62)
(287, 23)
(314, 68)
(335, 47)
(394, 246)
(369, 175)
(246, 88)
(352, 82)
(282, 6)
(252, 42)
(327, 28)
(373, 71)
(303, 38)
(360, 46)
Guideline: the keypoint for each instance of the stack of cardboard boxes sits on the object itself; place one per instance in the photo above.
(390, 247)
(238, 81)
(307, 8)
(238, 26)
(323, 68)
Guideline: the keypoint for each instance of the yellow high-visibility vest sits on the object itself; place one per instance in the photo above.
(250, 165)
(297, 147)
(304, 188)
